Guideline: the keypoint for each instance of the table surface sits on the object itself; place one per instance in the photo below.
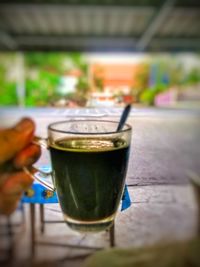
(165, 142)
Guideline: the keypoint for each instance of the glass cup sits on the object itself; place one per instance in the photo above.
(89, 164)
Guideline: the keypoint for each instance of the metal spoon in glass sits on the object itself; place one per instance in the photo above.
(43, 142)
(121, 124)
(124, 117)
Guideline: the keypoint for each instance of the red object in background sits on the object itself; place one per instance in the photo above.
(128, 99)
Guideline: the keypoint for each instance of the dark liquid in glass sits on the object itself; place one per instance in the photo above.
(89, 178)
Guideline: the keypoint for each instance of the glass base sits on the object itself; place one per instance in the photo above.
(91, 226)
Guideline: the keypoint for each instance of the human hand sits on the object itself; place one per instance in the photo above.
(16, 151)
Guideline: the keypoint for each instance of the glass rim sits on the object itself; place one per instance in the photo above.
(50, 127)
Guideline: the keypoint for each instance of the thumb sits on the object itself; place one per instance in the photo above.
(13, 140)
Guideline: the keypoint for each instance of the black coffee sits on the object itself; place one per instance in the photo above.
(89, 177)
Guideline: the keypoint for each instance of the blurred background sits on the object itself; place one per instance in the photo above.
(92, 53)
(88, 58)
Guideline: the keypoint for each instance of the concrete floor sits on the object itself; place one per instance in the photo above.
(161, 213)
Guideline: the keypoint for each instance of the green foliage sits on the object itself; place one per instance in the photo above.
(77, 61)
(142, 76)
(167, 65)
(98, 82)
(43, 71)
(193, 76)
(83, 85)
(51, 61)
(50, 67)
(40, 91)
(148, 95)
(8, 94)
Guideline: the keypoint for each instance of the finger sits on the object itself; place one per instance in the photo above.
(16, 183)
(14, 139)
(9, 203)
(12, 190)
(27, 157)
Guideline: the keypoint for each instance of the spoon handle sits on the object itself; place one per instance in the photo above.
(124, 117)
